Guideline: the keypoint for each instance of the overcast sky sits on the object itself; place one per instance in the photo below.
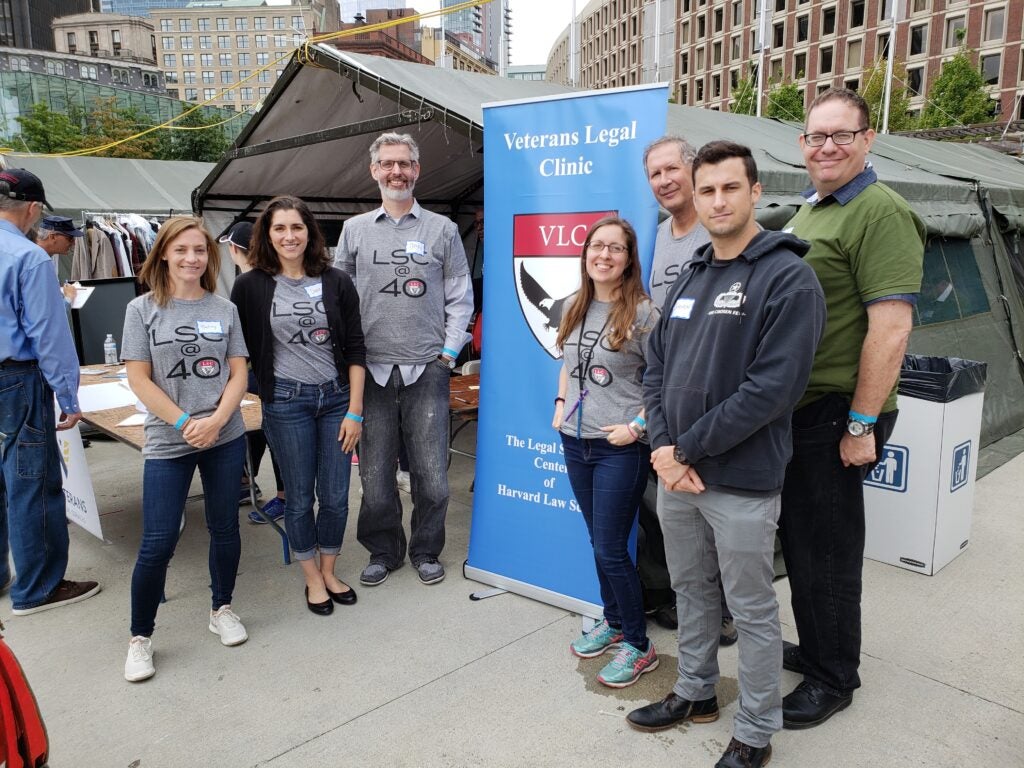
(535, 25)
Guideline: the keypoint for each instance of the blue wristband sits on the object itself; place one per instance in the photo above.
(861, 417)
(185, 416)
(640, 420)
(355, 417)
(450, 352)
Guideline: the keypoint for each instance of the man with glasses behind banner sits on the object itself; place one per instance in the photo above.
(415, 298)
(867, 248)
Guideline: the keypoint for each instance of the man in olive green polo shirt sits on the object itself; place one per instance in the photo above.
(867, 248)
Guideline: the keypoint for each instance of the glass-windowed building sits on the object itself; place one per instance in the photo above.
(138, 7)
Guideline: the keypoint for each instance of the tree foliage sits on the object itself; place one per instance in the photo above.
(107, 123)
(873, 92)
(206, 145)
(744, 95)
(785, 102)
(44, 131)
(957, 96)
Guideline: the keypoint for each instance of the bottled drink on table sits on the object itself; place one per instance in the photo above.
(110, 350)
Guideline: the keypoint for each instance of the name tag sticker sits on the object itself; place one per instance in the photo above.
(415, 247)
(209, 326)
(683, 308)
(315, 291)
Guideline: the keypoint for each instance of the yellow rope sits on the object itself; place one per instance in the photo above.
(302, 55)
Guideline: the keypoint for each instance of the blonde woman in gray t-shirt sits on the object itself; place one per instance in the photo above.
(599, 412)
(185, 356)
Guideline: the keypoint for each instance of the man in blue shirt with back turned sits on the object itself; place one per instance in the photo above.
(37, 360)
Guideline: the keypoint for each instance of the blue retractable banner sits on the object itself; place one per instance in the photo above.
(552, 167)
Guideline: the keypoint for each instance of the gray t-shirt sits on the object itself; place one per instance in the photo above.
(399, 269)
(302, 340)
(188, 343)
(613, 380)
(671, 254)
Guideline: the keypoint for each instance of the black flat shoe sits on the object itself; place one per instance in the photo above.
(348, 597)
(326, 608)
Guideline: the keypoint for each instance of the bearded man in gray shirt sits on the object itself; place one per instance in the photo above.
(416, 298)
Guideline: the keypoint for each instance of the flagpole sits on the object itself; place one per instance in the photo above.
(760, 56)
(888, 68)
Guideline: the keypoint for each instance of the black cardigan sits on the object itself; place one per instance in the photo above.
(253, 294)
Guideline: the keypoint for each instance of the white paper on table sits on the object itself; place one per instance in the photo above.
(92, 371)
(248, 402)
(82, 295)
(135, 420)
(100, 397)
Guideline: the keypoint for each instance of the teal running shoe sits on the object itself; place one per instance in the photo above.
(599, 639)
(627, 666)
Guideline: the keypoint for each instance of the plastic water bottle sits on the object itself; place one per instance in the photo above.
(110, 350)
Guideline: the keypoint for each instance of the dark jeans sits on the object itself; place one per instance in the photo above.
(258, 445)
(165, 484)
(32, 512)
(822, 534)
(418, 414)
(608, 482)
(302, 425)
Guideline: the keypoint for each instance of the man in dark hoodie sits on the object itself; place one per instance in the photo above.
(727, 362)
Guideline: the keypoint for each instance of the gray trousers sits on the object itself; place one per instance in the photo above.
(713, 531)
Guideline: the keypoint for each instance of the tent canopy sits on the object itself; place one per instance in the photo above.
(101, 184)
(311, 139)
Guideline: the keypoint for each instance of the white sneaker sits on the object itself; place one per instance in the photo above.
(225, 623)
(404, 481)
(139, 664)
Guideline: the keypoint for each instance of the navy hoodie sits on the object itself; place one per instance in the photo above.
(731, 357)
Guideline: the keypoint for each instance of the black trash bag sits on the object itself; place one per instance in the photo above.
(941, 379)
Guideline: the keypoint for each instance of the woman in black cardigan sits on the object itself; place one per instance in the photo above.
(300, 317)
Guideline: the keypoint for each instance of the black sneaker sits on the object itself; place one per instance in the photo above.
(67, 592)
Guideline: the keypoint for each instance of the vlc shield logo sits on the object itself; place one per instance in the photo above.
(546, 251)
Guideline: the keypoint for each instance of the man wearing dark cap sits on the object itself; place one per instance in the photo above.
(56, 234)
(37, 360)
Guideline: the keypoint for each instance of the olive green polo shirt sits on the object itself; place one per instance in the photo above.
(866, 244)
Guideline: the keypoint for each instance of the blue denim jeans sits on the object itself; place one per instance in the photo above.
(608, 482)
(822, 534)
(302, 426)
(31, 486)
(419, 413)
(165, 484)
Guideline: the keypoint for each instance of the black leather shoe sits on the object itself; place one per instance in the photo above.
(672, 710)
(791, 658)
(665, 617)
(348, 597)
(326, 608)
(809, 705)
(740, 755)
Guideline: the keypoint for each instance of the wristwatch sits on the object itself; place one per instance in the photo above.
(859, 428)
(448, 362)
(679, 456)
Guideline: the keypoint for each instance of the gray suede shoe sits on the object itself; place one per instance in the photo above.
(373, 574)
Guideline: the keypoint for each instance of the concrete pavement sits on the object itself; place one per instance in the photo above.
(421, 676)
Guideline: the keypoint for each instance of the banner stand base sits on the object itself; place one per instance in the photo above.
(534, 592)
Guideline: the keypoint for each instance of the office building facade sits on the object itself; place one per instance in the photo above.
(816, 44)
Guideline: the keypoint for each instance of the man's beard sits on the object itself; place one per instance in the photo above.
(396, 195)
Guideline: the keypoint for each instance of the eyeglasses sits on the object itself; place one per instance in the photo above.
(614, 248)
(839, 138)
(387, 165)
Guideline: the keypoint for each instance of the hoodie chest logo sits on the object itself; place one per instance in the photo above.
(730, 301)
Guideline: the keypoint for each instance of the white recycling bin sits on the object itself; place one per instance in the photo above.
(919, 498)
